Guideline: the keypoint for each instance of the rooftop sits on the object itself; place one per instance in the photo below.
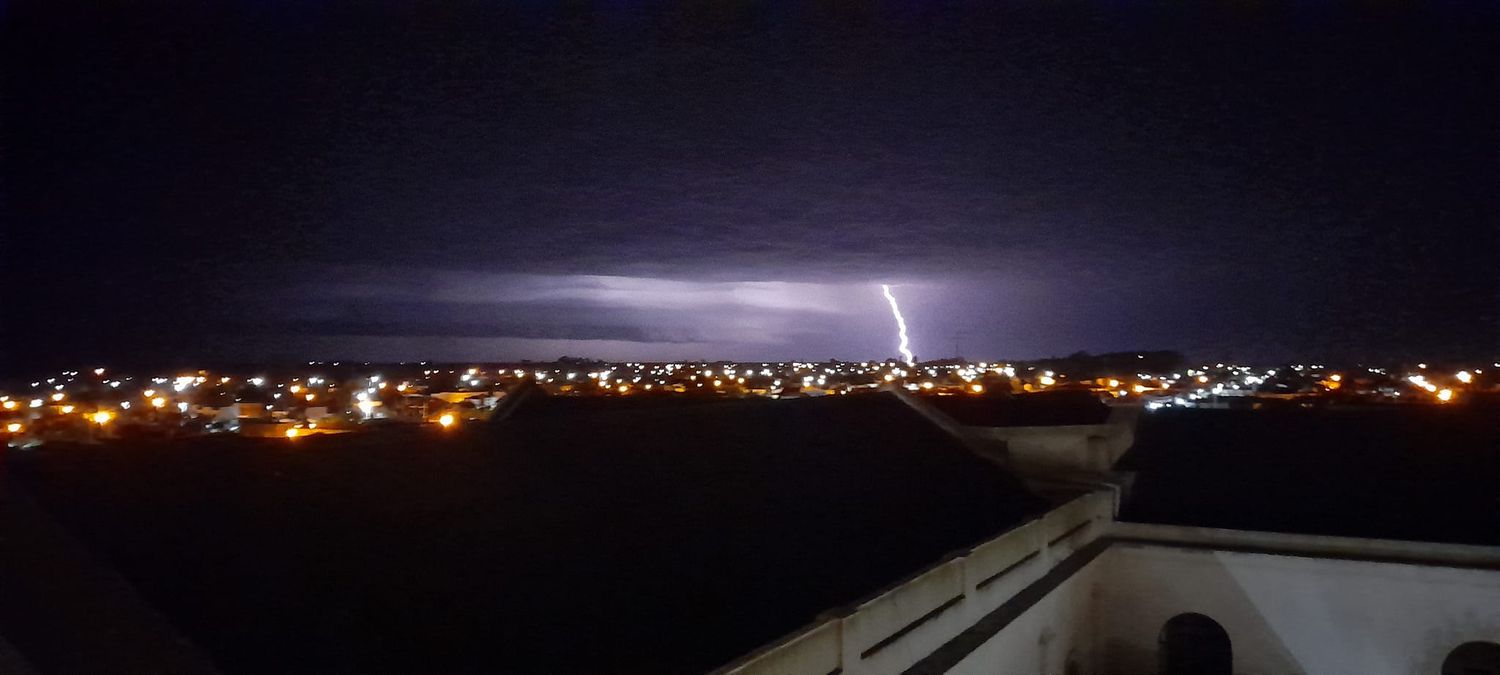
(649, 539)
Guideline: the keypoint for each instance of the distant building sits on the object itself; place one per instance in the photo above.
(235, 411)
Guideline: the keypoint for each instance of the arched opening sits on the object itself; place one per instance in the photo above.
(1473, 658)
(1193, 644)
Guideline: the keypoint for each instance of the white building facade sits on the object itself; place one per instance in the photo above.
(1077, 592)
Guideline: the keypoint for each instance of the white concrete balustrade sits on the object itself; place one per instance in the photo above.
(1077, 592)
(894, 629)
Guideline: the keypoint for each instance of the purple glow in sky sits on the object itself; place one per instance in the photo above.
(613, 316)
(371, 181)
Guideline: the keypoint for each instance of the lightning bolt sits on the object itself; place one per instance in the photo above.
(905, 346)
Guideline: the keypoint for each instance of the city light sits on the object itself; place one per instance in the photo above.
(1206, 386)
(102, 417)
(14, 427)
(292, 432)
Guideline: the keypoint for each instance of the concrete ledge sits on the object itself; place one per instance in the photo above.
(874, 621)
(988, 561)
(929, 624)
(1059, 430)
(817, 649)
(946, 657)
(1351, 548)
(896, 628)
(1087, 448)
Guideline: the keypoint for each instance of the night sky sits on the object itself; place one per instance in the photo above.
(193, 182)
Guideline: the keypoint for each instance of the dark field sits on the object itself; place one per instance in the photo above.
(1412, 472)
(648, 541)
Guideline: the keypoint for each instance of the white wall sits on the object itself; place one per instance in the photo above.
(1054, 631)
(1295, 612)
(1287, 614)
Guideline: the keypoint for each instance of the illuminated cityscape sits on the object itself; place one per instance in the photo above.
(358, 337)
(336, 397)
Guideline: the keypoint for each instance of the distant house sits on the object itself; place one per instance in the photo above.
(236, 411)
(483, 400)
(263, 428)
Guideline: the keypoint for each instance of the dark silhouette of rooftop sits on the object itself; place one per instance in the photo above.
(649, 540)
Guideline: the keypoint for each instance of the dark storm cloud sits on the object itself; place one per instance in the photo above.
(736, 180)
(389, 325)
(372, 302)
